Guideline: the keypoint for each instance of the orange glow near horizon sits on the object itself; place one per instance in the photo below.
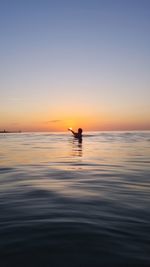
(88, 123)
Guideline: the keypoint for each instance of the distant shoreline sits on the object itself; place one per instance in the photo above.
(4, 131)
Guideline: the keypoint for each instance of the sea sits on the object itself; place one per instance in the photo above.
(65, 202)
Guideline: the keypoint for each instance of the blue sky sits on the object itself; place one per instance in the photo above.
(61, 60)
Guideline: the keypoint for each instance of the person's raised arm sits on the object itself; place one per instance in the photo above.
(71, 131)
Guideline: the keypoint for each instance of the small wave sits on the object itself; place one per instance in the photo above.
(39, 193)
(6, 169)
(88, 135)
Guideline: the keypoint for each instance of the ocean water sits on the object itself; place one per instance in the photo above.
(66, 203)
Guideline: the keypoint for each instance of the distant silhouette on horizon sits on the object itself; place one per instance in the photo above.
(78, 134)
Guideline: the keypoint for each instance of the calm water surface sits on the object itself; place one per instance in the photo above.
(65, 203)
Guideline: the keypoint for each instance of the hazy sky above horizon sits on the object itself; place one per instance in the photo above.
(80, 63)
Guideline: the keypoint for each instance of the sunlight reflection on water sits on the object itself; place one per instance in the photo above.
(91, 198)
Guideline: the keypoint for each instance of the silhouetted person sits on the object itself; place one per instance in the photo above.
(77, 135)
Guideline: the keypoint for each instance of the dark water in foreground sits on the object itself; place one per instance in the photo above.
(63, 203)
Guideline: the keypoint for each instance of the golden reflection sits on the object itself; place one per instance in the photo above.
(76, 149)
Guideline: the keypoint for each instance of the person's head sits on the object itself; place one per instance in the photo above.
(80, 131)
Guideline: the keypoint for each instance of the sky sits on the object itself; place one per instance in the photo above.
(67, 63)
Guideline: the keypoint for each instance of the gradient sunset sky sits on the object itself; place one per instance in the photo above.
(74, 63)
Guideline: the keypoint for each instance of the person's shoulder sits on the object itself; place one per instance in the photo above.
(77, 135)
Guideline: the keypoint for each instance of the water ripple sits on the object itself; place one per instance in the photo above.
(63, 203)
